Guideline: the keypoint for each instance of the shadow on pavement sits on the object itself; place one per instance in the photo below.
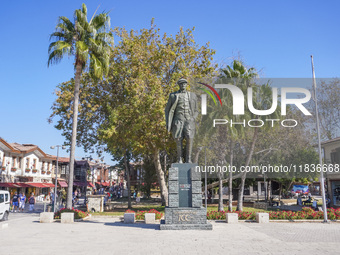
(121, 224)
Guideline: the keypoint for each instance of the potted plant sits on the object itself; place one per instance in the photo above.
(13, 169)
(43, 171)
(27, 170)
(3, 168)
(48, 172)
(35, 170)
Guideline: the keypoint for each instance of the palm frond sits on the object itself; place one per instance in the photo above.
(82, 51)
(68, 24)
(57, 50)
(101, 22)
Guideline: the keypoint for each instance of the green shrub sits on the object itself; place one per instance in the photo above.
(139, 215)
(77, 213)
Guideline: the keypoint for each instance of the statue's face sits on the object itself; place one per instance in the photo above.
(183, 86)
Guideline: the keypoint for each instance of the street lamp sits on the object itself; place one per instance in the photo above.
(56, 175)
(322, 180)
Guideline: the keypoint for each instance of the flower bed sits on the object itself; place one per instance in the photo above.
(307, 213)
(215, 215)
(139, 215)
(77, 213)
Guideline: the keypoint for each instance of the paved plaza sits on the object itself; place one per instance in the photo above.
(107, 235)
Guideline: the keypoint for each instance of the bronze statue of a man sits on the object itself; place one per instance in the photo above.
(180, 115)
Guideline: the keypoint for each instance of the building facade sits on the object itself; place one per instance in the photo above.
(332, 158)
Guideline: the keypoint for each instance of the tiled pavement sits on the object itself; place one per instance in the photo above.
(25, 235)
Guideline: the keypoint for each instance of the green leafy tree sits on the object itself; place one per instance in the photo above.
(126, 110)
(89, 42)
(329, 107)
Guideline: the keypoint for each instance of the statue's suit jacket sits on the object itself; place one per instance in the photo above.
(171, 107)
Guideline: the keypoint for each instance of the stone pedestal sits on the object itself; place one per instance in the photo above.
(129, 218)
(185, 209)
(150, 218)
(67, 217)
(231, 217)
(46, 217)
(262, 217)
(95, 203)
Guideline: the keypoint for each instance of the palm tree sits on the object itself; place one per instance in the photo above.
(244, 75)
(90, 43)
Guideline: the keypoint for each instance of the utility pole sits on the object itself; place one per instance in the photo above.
(322, 181)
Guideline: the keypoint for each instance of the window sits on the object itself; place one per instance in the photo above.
(35, 163)
(335, 156)
(27, 162)
(2, 198)
(63, 169)
(14, 161)
(20, 162)
(43, 165)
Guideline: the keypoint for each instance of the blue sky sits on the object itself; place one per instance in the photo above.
(276, 37)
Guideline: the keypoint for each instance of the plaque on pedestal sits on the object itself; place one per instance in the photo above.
(185, 209)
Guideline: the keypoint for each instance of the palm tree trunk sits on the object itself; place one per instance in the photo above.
(230, 206)
(220, 194)
(161, 177)
(74, 134)
(243, 179)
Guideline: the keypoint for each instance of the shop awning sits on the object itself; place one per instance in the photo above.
(9, 185)
(79, 183)
(49, 185)
(37, 184)
(23, 185)
(90, 184)
(62, 184)
(105, 184)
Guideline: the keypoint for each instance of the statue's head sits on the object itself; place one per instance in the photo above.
(182, 83)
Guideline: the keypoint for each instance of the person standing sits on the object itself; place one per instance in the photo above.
(31, 202)
(15, 202)
(22, 202)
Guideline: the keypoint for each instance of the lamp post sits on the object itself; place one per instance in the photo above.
(56, 175)
(322, 180)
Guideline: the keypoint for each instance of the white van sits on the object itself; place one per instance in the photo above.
(4, 204)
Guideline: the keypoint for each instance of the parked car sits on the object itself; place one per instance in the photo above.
(4, 204)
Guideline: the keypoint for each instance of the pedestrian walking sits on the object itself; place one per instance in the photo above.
(31, 202)
(15, 202)
(22, 202)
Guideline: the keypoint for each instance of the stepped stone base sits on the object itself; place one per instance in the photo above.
(183, 218)
(206, 226)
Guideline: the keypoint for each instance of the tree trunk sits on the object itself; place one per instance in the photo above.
(127, 169)
(197, 154)
(220, 194)
(243, 179)
(230, 206)
(280, 193)
(269, 188)
(74, 134)
(161, 177)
